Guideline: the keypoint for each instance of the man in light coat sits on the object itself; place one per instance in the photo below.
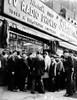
(47, 61)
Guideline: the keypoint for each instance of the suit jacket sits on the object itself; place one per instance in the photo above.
(11, 65)
(38, 67)
(75, 64)
(68, 64)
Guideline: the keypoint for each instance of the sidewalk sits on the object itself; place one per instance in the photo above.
(8, 95)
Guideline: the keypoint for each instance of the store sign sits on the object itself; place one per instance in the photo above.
(37, 14)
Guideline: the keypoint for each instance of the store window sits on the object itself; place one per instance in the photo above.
(24, 43)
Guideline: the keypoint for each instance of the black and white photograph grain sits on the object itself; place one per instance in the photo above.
(38, 49)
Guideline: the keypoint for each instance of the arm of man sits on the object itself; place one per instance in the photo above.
(70, 63)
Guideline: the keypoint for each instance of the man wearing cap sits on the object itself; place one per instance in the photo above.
(68, 64)
(47, 61)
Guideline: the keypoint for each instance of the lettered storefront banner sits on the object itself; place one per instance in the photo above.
(37, 14)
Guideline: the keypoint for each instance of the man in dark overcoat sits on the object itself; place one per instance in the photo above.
(24, 71)
(11, 71)
(38, 71)
(68, 65)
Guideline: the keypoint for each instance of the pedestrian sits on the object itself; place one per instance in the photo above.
(47, 60)
(24, 71)
(68, 64)
(3, 67)
(11, 71)
(59, 70)
(29, 60)
(17, 70)
(63, 75)
(38, 71)
(52, 75)
(73, 78)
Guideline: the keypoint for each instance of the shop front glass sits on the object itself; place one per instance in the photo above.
(23, 43)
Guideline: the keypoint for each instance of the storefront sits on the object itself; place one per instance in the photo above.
(24, 43)
(24, 38)
(33, 26)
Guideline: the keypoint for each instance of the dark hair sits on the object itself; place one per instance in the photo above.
(18, 53)
(46, 52)
(70, 51)
(23, 53)
(37, 52)
(14, 51)
(62, 56)
(3, 53)
(10, 52)
(66, 51)
(29, 54)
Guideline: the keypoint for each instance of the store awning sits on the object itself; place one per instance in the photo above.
(68, 45)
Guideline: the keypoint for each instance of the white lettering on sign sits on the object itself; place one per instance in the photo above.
(14, 2)
(64, 28)
(28, 10)
(35, 4)
(48, 21)
(37, 14)
(67, 28)
(10, 1)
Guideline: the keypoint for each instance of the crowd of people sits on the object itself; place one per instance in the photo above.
(22, 72)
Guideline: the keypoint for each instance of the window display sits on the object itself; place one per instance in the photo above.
(24, 43)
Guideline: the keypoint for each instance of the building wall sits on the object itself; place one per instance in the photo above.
(70, 6)
(52, 24)
(57, 6)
